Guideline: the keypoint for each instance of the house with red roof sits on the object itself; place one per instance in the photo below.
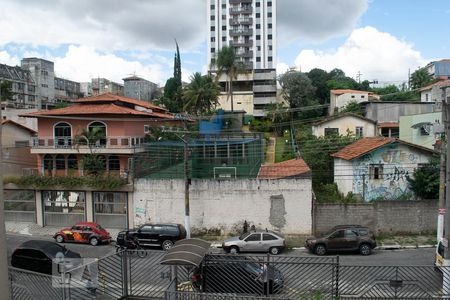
(340, 98)
(378, 167)
(293, 168)
(120, 123)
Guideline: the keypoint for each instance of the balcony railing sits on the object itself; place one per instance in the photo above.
(241, 32)
(241, 10)
(244, 43)
(122, 142)
(241, 21)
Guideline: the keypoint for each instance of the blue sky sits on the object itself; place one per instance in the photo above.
(382, 39)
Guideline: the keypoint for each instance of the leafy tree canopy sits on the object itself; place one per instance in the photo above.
(420, 78)
(6, 90)
(201, 94)
(352, 107)
(297, 89)
(425, 181)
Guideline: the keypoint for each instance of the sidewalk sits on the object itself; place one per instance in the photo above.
(32, 229)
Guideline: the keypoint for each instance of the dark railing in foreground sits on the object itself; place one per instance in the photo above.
(128, 276)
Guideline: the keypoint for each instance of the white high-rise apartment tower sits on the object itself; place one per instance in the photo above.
(250, 27)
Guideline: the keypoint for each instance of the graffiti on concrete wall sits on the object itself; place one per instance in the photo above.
(394, 165)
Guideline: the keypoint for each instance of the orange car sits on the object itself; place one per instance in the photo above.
(83, 232)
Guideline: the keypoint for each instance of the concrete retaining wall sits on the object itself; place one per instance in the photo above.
(283, 205)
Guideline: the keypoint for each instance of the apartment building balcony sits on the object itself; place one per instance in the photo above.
(264, 88)
(241, 32)
(241, 10)
(264, 74)
(241, 21)
(247, 44)
(244, 54)
(240, 1)
(67, 145)
(264, 100)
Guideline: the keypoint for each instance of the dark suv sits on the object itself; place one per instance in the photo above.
(343, 238)
(161, 235)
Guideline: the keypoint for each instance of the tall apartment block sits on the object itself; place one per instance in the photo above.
(249, 26)
(22, 85)
(43, 73)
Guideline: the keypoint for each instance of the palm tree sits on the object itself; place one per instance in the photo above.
(93, 163)
(200, 94)
(228, 63)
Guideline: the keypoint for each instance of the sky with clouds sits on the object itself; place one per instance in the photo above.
(381, 39)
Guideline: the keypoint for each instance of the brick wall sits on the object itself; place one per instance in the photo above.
(412, 217)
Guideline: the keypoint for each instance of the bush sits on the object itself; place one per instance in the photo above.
(328, 193)
(261, 125)
(97, 182)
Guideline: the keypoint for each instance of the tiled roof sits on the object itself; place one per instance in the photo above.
(108, 97)
(347, 91)
(286, 169)
(366, 145)
(388, 125)
(349, 114)
(439, 83)
(97, 109)
(19, 125)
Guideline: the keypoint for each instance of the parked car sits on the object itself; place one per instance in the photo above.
(237, 274)
(160, 235)
(38, 256)
(255, 241)
(439, 254)
(83, 232)
(343, 238)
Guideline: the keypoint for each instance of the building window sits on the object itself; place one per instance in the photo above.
(97, 131)
(258, 4)
(224, 28)
(359, 131)
(362, 96)
(63, 134)
(258, 15)
(48, 162)
(113, 163)
(213, 50)
(213, 28)
(213, 18)
(212, 6)
(224, 39)
(269, 26)
(258, 59)
(146, 128)
(60, 162)
(72, 163)
(270, 47)
(269, 3)
(224, 17)
(353, 96)
(224, 6)
(376, 171)
(269, 58)
(269, 36)
(269, 15)
(213, 39)
(331, 131)
(258, 26)
(258, 37)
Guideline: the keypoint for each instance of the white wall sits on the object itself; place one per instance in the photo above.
(273, 204)
(344, 99)
(343, 172)
(344, 123)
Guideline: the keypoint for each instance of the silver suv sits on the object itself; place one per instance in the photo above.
(255, 241)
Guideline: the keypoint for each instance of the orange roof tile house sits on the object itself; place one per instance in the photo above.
(378, 167)
(119, 123)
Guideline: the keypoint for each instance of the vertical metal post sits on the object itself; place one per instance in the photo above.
(125, 273)
(4, 280)
(187, 218)
(336, 291)
(446, 277)
(440, 221)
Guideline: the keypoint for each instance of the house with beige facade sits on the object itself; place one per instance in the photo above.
(340, 98)
(347, 123)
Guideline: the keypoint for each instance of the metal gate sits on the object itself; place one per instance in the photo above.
(20, 206)
(62, 208)
(110, 209)
(392, 282)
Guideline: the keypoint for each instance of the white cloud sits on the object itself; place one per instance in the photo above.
(8, 59)
(104, 24)
(317, 20)
(81, 63)
(377, 55)
(282, 68)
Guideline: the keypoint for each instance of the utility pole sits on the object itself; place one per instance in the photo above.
(359, 76)
(187, 183)
(446, 271)
(4, 278)
(441, 210)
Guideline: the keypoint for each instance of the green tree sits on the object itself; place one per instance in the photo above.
(93, 163)
(389, 89)
(172, 97)
(352, 107)
(277, 113)
(227, 63)
(425, 181)
(420, 78)
(319, 79)
(200, 94)
(401, 96)
(6, 90)
(297, 89)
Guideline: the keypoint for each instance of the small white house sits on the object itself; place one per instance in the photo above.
(378, 167)
(435, 92)
(345, 123)
(340, 98)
